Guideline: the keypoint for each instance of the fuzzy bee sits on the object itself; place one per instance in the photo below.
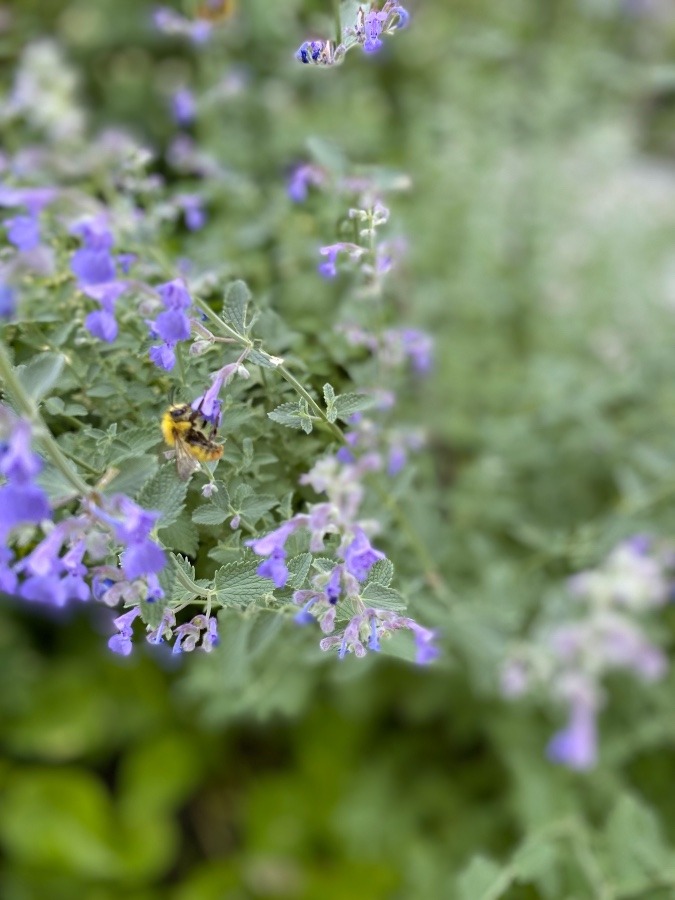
(215, 10)
(192, 438)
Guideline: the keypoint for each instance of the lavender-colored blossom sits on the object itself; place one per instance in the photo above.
(7, 300)
(193, 211)
(317, 53)
(170, 22)
(183, 106)
(360, 556)
(208, 403)
(102, 325)
(121, 643)
(23, 232)
(328, 269)
(18, 463)
(93, 263)
(174, 294)
(22, 505)
(301, 178)
(172, 326)
(163, 356)
(576, 746)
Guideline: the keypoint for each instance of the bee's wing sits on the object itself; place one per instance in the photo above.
(186, 464)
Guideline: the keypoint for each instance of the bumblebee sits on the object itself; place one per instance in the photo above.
(191, 436)
(215, 10)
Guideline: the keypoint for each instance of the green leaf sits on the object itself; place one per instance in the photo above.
(164, 493)
(637, 851)
(41, 374)
(255, 506)
(152, 612)
(382, 597)
(181, 535)
(348, 404)
(483, 879)
(237, 584)
(133, 476)
(235, 306)
(329, 398)
(209, 515)
(294, 414)
(180, 589)
(261, 358)
(298, 566)
(381, 573)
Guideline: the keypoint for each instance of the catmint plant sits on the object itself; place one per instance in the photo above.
(602, 633)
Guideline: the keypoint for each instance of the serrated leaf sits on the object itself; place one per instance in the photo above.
(152, 611)
(209, 515)
(263, 359)
(164, 493)
(133, 476)
(381, 573)
(293, 415)
(179, 589)
(483, 879)
(323, 564)
(255, 506)
(264, 630)
(329, 399)
(181, 535)
(636, 849)
(382, 597)
(133, 442)
(237, 584)
(41, 374)
(235, 305)
(299, 568)
(348, 404)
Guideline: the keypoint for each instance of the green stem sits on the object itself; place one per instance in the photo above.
(338, 22)
(28, 408)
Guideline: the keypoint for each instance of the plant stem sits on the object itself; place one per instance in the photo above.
(28, 408)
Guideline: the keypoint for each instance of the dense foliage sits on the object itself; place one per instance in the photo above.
(395, 620)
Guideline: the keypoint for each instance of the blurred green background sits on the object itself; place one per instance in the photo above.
(540, 138)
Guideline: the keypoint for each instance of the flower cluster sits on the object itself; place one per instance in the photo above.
(570, 658)
(200, 632)
(172, 325)
(338, 598)
(54, 571)
(370, 26)
(170, 22)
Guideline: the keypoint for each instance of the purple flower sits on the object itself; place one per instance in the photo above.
(172, 326)
(7, 300)
(121, 643)
(418, 347)
(22, 505)
(318, 53)
(193, 210)
(183, 106)
(300, 180)
(23, 232)
(427, 651)
(174, 294)
(168, 21)
(328, 269)
(576, 745)
(163, 356)
(93, 262)
(143, 558)
(102, 325)
(275, 568)
(18, 463)
(360, 556)
(208, 403)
